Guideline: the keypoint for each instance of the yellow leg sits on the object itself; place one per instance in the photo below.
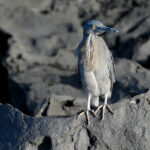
(80, 114)
(87, 115)
(104, 108)
(98, 109)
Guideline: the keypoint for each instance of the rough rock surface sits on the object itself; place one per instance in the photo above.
(127, 128)
(39, 77)
(131, 79)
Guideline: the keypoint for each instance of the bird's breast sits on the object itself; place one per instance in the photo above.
(90, 58)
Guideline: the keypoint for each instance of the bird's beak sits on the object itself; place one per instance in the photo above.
(105, 29)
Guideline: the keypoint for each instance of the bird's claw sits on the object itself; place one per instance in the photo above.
(104, 108)
(87, 115)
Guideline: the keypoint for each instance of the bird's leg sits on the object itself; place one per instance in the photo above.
(104, 107)
(87, 110)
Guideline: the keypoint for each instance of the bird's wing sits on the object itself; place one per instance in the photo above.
(78, 48)
(111, 67)
(109, 59)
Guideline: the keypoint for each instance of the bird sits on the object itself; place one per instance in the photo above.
(96, 66)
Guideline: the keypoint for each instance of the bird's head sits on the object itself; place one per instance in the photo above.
(96, 27)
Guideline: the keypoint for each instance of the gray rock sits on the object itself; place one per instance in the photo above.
(36, 31)
(38, 44)
(40, 81)
(129, 125)
(131, 79)
(38, 39)
(125, 130)
(61, 105)
(142, 54)
(133, 25)
(20, 132)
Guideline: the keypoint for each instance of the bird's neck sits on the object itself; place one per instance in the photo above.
(86, 35)
(90, 51)
(89, 38)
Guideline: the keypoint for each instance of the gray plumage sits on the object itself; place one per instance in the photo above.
(95, 62)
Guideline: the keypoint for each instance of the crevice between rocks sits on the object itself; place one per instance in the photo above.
(40, 143)
(92, 140)
(4, 46)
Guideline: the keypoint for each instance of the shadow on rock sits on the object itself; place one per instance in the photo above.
(121, 91)
(4, 42)
(125, 48)
(145, 63)
(73, 80)
(18, 96)
(11, 92)
(4, 89)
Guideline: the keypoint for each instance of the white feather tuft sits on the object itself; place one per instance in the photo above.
(89, 44)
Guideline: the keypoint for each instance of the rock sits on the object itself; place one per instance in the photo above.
(20, 58)
(133, 25)
(40, 81)
(35, 34)
(39, 75)
(35, 31)
(22, 132)
(131, 79)
(39, 48)
(18, 95)
(129, 124)
(61, 105)
(142, 54)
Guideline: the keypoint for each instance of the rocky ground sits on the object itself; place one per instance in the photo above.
(40, 88)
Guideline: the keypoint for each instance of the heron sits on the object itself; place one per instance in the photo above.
(96, 67)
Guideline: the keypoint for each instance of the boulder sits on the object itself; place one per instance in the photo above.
(129, 125)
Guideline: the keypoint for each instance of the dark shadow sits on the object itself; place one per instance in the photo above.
(4, 88)
(138, 24)
(117, 88)
(10, 91)
(145, 36)
(120, 91)
(125, 49)
(45, 12)
(4, 46)
(70, 27)
(68, 103)
(145, 63)
(73, 80)
(18, 96)
(46, 144)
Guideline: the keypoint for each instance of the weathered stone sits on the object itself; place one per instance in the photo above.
(38, 40)
(130, 125)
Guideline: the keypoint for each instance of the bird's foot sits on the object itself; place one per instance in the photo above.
(104, 108)
(87, 115)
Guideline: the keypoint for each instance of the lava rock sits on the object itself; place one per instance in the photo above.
(40, 81)
(129, 125)
(131, 79)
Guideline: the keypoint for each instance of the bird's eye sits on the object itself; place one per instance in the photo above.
(94, 26)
